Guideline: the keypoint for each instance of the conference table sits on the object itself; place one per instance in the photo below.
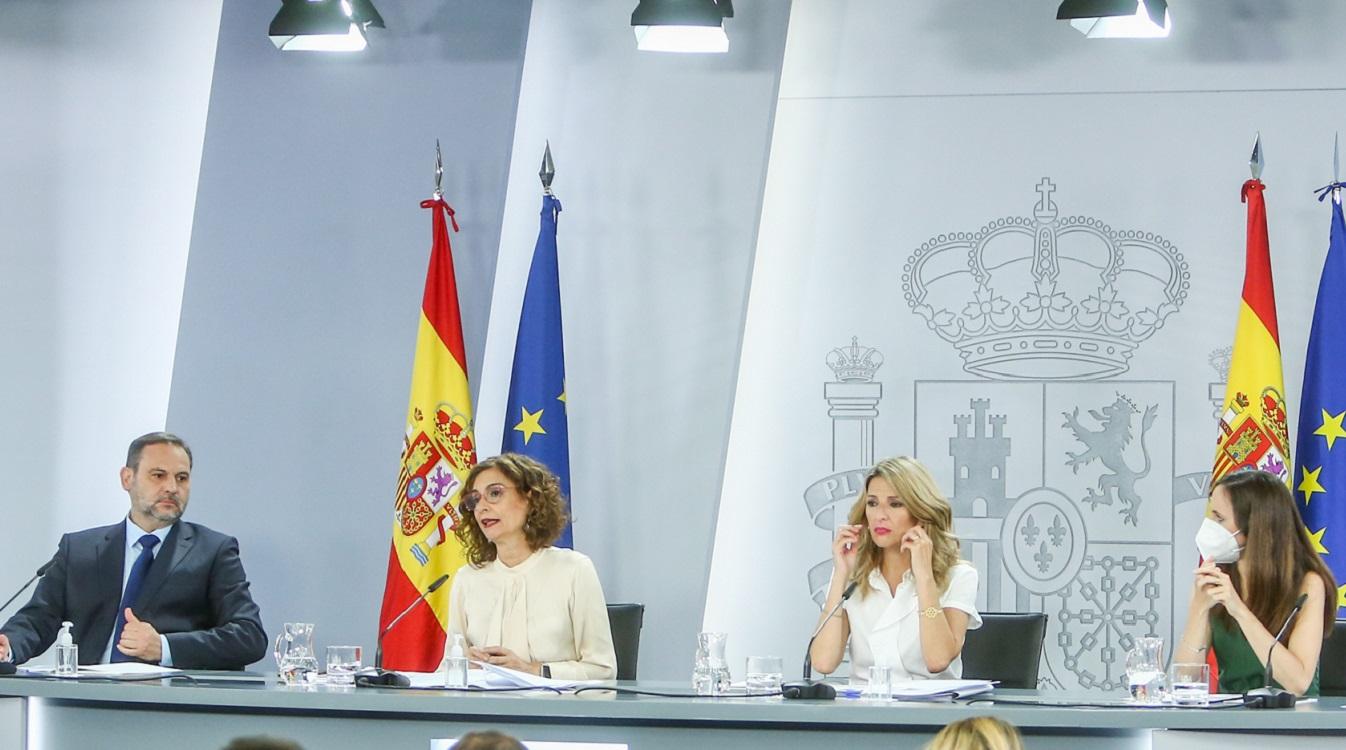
(212, 708)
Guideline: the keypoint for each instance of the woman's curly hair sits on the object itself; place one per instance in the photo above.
(547, 515)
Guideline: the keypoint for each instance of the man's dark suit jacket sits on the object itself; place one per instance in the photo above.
(195, 594)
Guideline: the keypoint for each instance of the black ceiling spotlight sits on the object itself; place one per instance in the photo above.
(682, 25)
(1112, 19)
(324, 25)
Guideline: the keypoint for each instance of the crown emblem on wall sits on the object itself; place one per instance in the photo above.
(854, 363)
(1046, 298)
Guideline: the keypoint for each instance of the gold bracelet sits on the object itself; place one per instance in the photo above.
(931, 612)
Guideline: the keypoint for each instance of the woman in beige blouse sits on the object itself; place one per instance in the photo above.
(519, 602)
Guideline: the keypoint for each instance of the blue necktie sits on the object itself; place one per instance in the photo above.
(133, 584)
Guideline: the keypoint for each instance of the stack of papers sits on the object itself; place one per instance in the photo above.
(926, 690)
(916, 690)
(128, 670)
(492, 676)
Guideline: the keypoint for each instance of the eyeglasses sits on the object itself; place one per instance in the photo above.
(494, 494)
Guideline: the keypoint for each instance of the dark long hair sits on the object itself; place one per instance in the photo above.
(1278, 551)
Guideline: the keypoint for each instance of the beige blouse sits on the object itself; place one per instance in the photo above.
(548, 608)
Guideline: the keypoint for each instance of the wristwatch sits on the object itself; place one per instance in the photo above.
(931, 612)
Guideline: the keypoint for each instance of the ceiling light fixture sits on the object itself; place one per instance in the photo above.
(682, 25)
(1113, 19)
(323, 25)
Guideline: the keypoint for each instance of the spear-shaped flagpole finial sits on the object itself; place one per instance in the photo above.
(548, 171)
(1336, 167)
(439, 172)
(1255, 161)
(1336, 157)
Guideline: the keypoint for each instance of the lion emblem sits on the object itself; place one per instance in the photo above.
(1108, 444)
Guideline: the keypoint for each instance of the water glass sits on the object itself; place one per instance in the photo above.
(1189, 684)
(764, 674)
(880, 685)
(342, 664)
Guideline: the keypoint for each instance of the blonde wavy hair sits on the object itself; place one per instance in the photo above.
(977, 733)
(926, 505)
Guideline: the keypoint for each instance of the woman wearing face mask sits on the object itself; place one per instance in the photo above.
(1256, 560)
(520, 602)
(914, 599)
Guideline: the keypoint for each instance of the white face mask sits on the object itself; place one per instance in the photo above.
(1216, 543)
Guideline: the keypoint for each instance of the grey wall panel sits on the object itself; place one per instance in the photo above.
(304, 284)
(661, 160)
(100, 142)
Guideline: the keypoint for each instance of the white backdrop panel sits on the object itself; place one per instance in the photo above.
(857, 186)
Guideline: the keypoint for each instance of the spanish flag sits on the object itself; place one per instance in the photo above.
(1253, 423)
(437, 452)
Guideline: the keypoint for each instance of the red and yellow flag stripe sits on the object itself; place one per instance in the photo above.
(1253, 431)
(438, 451)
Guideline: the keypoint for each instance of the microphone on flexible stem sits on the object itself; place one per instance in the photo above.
(9, 667)
(382, 676)
(1268, 696)
(808, 687)
(40, 572)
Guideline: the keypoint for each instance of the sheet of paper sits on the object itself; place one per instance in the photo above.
(130, 670)
(495, 677)
(500, 676)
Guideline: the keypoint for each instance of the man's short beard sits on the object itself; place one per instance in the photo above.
(159, 515)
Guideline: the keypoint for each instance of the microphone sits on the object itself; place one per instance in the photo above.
(382, 676)
(808, 687)
(1268, 696)
(40, 572)
(9, 667)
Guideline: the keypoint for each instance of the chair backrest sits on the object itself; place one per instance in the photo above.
(1007, 647)
(1332, 662)
(626, 621)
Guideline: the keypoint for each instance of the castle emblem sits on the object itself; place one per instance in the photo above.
(1247, 442)
(1046, 298)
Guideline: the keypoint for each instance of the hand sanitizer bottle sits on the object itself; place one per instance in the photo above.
(455, 665)
(67, 653)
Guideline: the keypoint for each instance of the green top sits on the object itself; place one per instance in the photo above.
(1241, 669)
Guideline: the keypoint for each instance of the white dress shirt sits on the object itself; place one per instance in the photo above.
(548, 608)
(885, 628)
(133, 534)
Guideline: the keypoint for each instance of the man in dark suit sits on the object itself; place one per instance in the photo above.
(152, 588)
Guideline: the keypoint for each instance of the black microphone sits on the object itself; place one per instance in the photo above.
(9, 667)
(1268, 696)
(808, 687)
(382, 676)
(40, 572)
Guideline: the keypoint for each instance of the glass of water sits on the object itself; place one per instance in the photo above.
(1189, 684)
(764, 674)
(342, 664)
(880, 685)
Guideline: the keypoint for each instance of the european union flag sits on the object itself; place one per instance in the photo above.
(535, 417)
(1320, 478)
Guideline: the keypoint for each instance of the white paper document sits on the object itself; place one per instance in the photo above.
(127, 670)
(925, 689)
(491, 676)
